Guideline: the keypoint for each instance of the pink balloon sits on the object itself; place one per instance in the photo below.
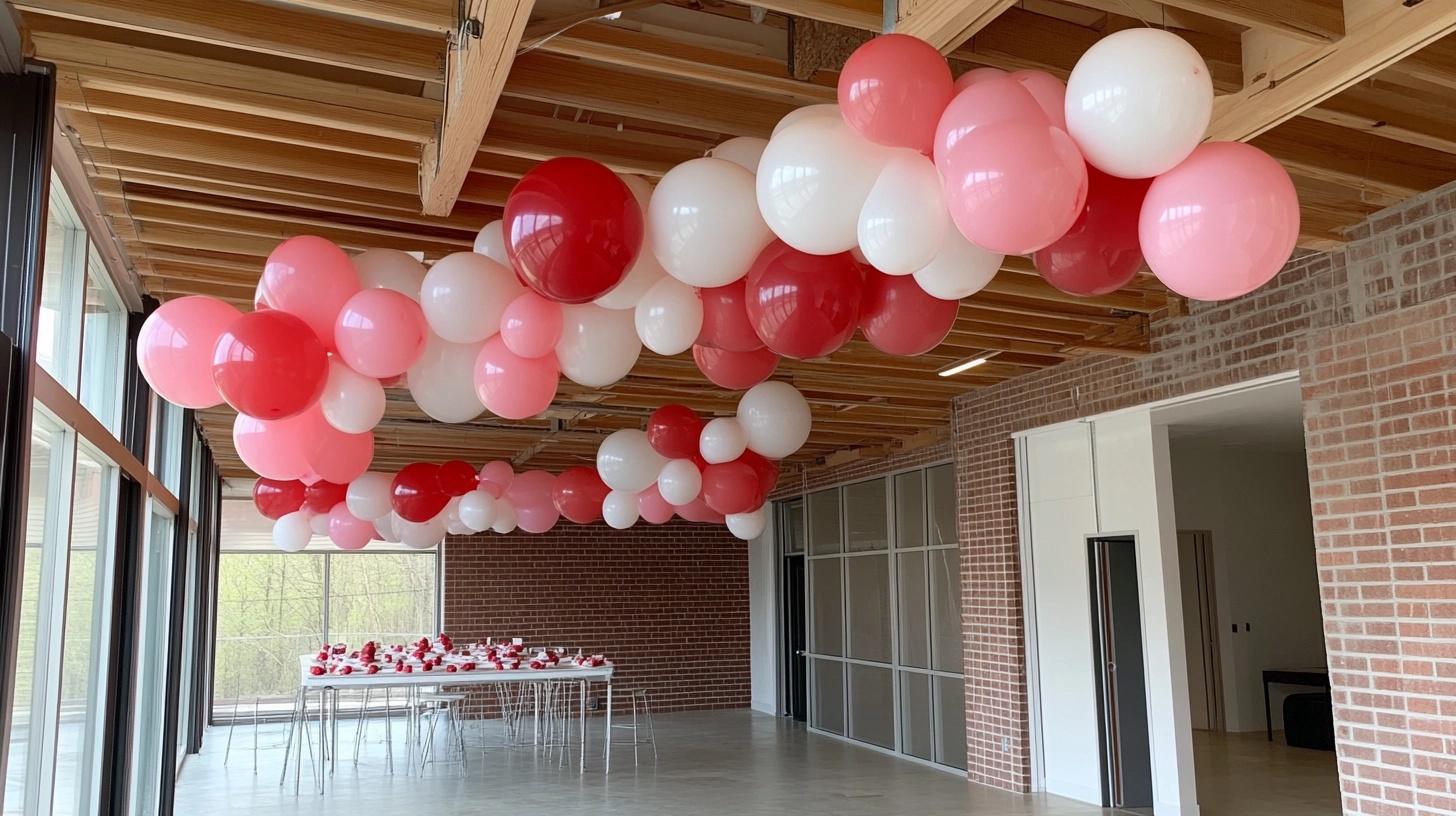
(348, 532)
(1050, 94)
(893, 90)
(273, 450)
(986, 102)
(531, 493)
(531, 325)
(380, 333)
(1015, 186)
(512, 386)
(700, 512)
(175, 348)
(1221, 224)
(335, 456)
(737, 370)
(312, 278)
(653, 507)
(975, 75)
(496, 478)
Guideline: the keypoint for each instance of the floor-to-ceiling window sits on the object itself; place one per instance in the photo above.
(884, 614)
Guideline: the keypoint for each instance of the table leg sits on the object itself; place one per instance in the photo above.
(323, 743)
(607, 761)
(300, 722)
(1268, 716)
(333, 732)
(581, 712)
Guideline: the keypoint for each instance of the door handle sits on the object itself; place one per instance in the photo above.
(801, 653)
(1111, 667)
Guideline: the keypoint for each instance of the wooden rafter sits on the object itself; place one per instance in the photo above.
(944, 24)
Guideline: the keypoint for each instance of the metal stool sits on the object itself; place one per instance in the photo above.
(233, 723)
(437, 704)
(362, 727)
(639, 700)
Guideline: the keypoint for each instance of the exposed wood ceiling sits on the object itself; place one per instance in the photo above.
(212, 130)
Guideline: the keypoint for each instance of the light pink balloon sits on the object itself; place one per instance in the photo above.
(310, 278)
(334, 455)
(653, 507)
(1220, 224)
(986, 102)
(380, 333)
(893, 89)
(496, 477)
(1050, 93)
(273, 450)
(175, 349)
(531, 495)
(975, 75)
(531, 325)
(348, 532)
(512, 386)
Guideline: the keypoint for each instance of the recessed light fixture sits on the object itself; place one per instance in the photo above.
(967, 365)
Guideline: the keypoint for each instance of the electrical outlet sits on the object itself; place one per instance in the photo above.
(1005, 745)
(594, 704)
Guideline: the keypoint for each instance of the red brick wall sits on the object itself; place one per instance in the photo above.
(668, 604)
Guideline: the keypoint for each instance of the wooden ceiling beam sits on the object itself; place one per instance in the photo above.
(1313, 21)
(277, 30)
(1385, 112)
(944, 24)
(537, 138)
(1377, 168)
(1435, 64)
(435, 16)
(867, 15)
(480, 58)
(1287, 77)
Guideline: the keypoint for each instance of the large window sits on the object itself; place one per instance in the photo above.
(884, 613)
(149, 702)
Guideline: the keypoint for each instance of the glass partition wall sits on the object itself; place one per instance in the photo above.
(884, 614)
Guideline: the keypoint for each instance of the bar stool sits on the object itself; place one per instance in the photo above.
(362, 727)
(436, 705)
(233, 724)
(642, 731)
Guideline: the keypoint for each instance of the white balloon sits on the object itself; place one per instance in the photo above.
(464, 295)
(903, 221)
(384, 526)
(421, 536)
(747, 526)
(619, 509)
(598, 346)
(453, 524)
(491, 242)
(292, 532)
(443, 381)
(793, 117)
(813, 181)
(368, 497)
(351, 402)
(744, 151)
(505, 517)
(704, 222)
(669, 317)
(478, 510)
(1138, 102)
(775, 418)
(319, 524)
(626, 461)
(680, 482)
(960, 268)
(645, 271)
(390, 269)
(722, 440)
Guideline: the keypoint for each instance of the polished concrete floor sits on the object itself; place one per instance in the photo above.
(1246, 775)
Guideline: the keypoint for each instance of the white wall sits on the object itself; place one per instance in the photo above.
(1256, 505)
(763, 616)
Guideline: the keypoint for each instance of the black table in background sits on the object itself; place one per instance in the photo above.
(1314, 678)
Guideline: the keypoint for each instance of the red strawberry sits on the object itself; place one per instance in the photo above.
(425, 667)
(315, 670)
(468, 667)
(450, 668)
(373, 669)
(346, 670)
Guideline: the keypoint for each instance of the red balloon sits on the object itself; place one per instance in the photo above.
(456, 478)
(653, 507)
(415, 492)
(572, 229)
(893, 89)
(698, 511)
(331, 453)
(725, 319)
(804, 306)
(731, 487)
(900, 318)
(321, 496)
(766, 469)
(737, 370)
(275, 498)
(578, 493)
(269, 365)
(673, 431)
(1100, 253)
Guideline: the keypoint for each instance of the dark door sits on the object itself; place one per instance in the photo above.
(796, 697)
(1127, 763)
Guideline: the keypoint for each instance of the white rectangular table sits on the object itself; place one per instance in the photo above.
(324, 684)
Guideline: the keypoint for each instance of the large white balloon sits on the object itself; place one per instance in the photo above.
(722, 440)
(491, 242)
(505, 517)
(704, 222)
(368, 497)
(793, 117)
(744, 151)
(443, 381)
(645, 271)
(598, 346)
(626, 461)
(669, 317)
(384, 526)
(390, 269)
(903, 221)
(420, 535)
(477, 510)
(1138, 102)
(351, 402)
(453, 524)
(464, 295)
(747, 526)
(619, 509)
(775, 419)
(319, 524)
(960, 268)
(292, 532)
(813, 181)
(680, 482)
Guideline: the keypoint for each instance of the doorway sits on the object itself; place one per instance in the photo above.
(1127, 760)
(795, 657)
(1200, 629)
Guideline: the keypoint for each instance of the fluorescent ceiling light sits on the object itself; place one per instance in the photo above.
(966, 365)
